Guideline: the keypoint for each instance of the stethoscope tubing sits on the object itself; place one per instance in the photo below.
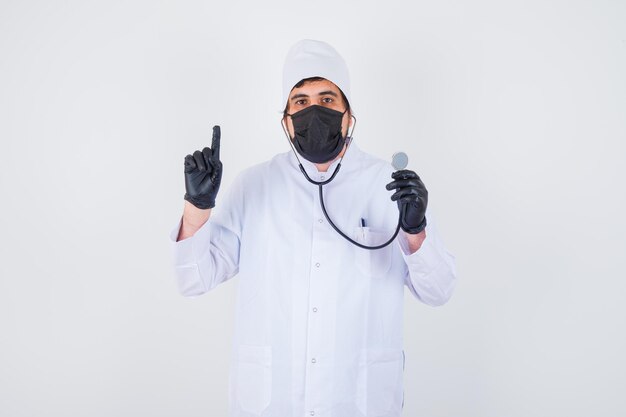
(320, 184)
(354, 242)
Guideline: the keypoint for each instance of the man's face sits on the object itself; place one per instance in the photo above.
(323, 93)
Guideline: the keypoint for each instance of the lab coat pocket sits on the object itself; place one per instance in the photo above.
(379, 384)
(254, 378)
(372, 262)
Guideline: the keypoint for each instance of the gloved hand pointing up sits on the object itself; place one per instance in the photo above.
(203, 174)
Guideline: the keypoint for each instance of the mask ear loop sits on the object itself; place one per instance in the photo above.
(350, 132)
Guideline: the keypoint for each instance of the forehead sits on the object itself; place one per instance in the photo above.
(315, 87)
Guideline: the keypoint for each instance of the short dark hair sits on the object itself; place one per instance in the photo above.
(312, 79)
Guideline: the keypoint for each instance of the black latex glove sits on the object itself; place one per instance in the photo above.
(412, 198)
(203, 174)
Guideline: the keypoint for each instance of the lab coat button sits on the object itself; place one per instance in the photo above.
(315, 309)
(322, 177)
(320, 220)
(312, 413)
(313, 360)
(317, 265)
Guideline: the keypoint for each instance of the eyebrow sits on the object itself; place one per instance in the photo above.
(295, 96)
(323, 93)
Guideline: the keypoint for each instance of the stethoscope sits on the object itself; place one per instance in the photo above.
(399, 161)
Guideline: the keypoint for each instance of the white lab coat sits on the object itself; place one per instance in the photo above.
(318, 320)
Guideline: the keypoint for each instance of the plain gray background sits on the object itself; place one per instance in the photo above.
(512, 112)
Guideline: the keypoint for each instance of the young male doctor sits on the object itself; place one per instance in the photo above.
(318, 319)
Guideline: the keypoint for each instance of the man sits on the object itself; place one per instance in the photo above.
(318, 319)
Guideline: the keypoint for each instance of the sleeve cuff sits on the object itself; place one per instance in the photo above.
(187, 251)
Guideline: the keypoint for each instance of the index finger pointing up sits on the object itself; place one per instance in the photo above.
(215, 143)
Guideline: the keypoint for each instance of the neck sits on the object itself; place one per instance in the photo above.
(324, 167)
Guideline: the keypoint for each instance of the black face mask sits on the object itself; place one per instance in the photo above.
(318, 135)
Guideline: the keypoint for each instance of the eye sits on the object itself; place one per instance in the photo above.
(300, 102)
(327, 100)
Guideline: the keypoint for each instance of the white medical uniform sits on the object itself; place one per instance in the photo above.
(318, 319)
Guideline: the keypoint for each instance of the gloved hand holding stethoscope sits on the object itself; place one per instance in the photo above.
(412, 198)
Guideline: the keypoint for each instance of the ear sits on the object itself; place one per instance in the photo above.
(352, 119)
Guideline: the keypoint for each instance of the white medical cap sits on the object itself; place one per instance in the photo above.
(309, 58)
